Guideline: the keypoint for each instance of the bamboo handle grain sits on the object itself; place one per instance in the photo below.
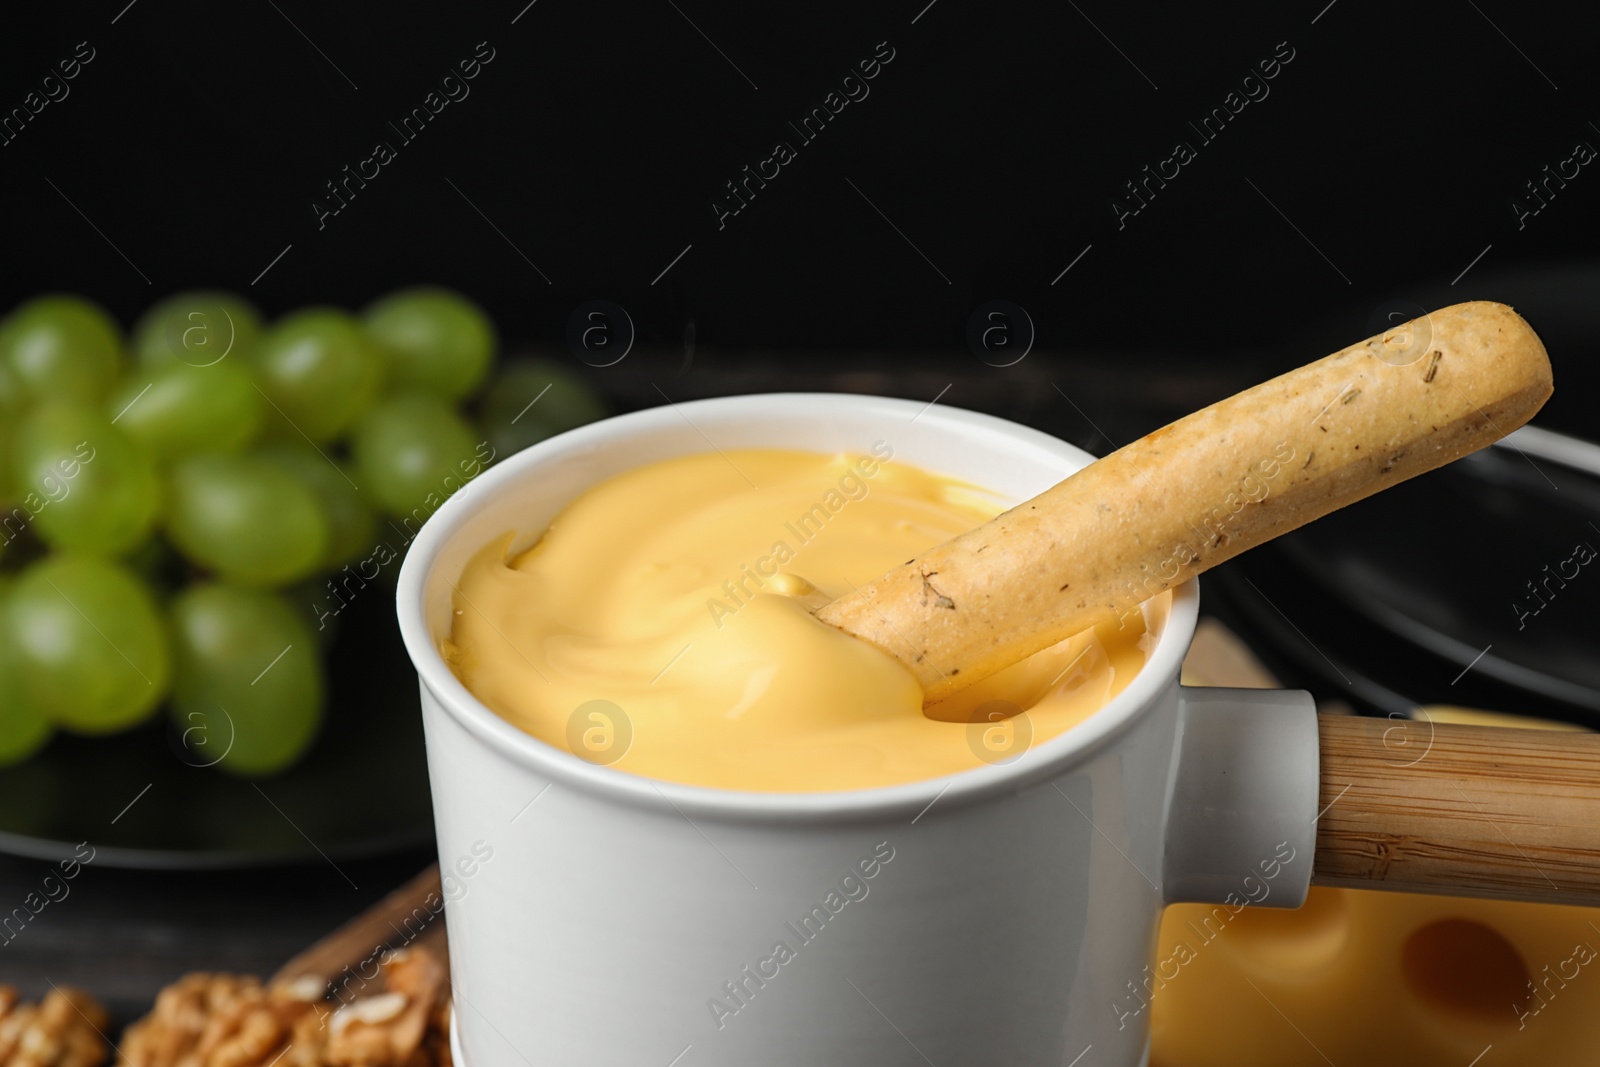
(1464, 810)
(410, 917)
(1172, 504)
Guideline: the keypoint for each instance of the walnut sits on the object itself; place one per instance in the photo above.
(436, 1043)
(217, 1020)
(387, 1030)
(64, 1030)
(214, 1020)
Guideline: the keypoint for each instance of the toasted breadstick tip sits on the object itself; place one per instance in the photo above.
(1178, 501)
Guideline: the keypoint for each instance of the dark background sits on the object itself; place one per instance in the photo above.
(1383, 162)
(1376, 179)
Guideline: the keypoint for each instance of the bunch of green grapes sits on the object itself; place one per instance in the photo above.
(184, 512)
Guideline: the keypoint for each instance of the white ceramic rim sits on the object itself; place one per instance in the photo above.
(1043, 761)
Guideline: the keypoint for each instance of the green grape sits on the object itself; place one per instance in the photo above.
(433, 341)
(320, 371)
(62, 348)
(246, 518)
(531, 399)
(87, 487)
(178, 409)
(412, 451)
(247, 690)
(197, 329)
(12, 396)
(352, 525)
(24, 726)
(12, 404)
(8, 462)
(321, 605)
(89, 643)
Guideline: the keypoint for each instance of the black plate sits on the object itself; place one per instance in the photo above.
(141, 799)
(1426, 588)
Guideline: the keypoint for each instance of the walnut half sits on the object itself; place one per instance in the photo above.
(64, 1030)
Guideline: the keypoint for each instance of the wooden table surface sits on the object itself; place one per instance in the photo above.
(124, 934)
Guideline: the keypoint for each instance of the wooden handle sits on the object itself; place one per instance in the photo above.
(1465, 810)
(1172, 504)
(410, 917)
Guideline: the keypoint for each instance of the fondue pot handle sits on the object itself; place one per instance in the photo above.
(1465, 810)
(1269, 798)
(1242, 809)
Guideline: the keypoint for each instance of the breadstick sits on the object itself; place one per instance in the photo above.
(1161, 510)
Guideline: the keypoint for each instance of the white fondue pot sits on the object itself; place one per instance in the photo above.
(1004, 915)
